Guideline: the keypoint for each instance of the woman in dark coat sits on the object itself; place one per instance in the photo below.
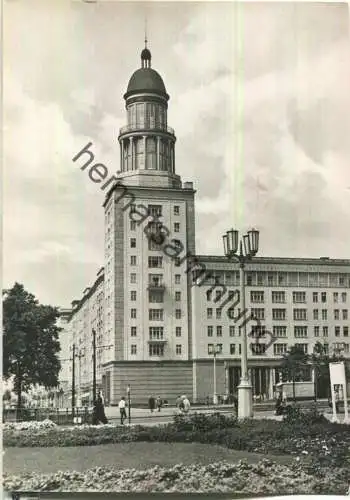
(151, 403)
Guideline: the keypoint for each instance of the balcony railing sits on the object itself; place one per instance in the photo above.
(147, 127)
(156, 285)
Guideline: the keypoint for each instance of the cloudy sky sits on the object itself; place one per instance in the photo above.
(260, 106)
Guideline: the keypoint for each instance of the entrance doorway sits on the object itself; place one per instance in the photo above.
(260, 381)
(234, 377)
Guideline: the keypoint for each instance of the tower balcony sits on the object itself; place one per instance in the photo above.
(142, 127)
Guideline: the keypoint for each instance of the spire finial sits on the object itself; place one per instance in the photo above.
(145, 54)
(145, 32)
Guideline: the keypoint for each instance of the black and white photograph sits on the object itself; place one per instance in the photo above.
(176, 249)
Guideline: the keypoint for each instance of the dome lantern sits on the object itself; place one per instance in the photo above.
(146, 79)
(146, 57)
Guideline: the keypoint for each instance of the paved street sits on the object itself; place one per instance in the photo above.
(143, 416)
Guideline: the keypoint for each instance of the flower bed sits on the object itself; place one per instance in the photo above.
(266, 477)
(29, 426)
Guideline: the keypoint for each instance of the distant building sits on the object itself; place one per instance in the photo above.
(155, 323)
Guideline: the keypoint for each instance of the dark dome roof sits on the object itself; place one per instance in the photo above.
(146, 80)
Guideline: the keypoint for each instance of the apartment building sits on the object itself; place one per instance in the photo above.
(293, 301)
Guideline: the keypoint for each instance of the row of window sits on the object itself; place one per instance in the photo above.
(277, 331)
(156, 350)
(276, 278)
(157, 314)
(156, 333)
(298, 297)
(155, 210)
(277, 296)
(155, 279)
(278, 348)
(277, 313)
(156, 297)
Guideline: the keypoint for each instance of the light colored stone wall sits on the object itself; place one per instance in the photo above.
(167, 380)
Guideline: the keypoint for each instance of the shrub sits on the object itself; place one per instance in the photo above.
(296, 416)
(203, 423)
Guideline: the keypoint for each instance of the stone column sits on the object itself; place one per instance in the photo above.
(271, 382)
(158, 167)
(121, 143)
(145, 151)
(132, 152)
(226, 378)
(194, 381)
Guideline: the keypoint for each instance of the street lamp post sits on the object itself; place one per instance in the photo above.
(214, 351)
(248, 248)
(129, 404)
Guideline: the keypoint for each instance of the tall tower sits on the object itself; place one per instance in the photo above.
(147, 291)
(147, 144)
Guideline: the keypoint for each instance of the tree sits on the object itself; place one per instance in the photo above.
(30, 342)
(293, 365)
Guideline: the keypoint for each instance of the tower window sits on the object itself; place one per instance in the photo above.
(177, 227)
(155, 210)
(176, 210)
(132, 242)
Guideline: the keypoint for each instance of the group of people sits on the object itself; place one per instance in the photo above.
(183, 404)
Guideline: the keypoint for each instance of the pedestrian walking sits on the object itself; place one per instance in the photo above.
(122, 406)
(101, 409)
(98, 413)
(151, 403)
(159, 403)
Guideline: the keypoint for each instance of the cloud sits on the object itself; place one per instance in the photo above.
(258, 93)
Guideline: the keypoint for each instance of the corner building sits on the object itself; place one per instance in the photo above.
(156, 322)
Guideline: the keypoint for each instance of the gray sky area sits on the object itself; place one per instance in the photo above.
(259, 102)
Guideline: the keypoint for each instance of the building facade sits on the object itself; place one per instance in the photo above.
(155, 321)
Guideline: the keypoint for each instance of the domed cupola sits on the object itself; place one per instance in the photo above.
(146, 79)
(147, 144)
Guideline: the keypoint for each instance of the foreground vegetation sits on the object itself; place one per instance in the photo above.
(321, 452)
(266, 477)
